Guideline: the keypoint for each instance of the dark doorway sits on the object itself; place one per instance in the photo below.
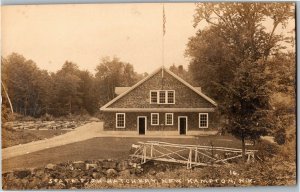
(142, 125)
(182, 125)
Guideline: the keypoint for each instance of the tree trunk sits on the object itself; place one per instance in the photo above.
(6, 93)
(243, 150)
(70, 105)
(25, 108)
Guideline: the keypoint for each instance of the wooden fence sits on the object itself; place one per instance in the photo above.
(191, 155)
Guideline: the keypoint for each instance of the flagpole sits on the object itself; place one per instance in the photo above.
(163, 41)
(163, 54)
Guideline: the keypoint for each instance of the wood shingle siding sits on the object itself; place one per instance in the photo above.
(131, 122)
(140, 96)
(187, 103)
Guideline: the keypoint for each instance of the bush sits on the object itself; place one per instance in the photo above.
(266, 149)
(82, 117)
(6, 114)
(47, 117)
(20, 117)
(288, 151)
(99, 115)
(280, 136)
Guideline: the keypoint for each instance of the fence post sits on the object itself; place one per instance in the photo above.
(151, 151)
(212, 153)
(248, 159)
(189, 163)
(144, 154)
(196, 155)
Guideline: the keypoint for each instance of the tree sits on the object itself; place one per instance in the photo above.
(242, 25)
(235, 32)
(108, 74)
(230, 57)
(212, 61)
(70, 90)
(181, 72)
(88, 90)
(283, 68)
(21, 79)
(8, 99)
(247, 103)
(129, 76)
(111, 73)
(66, 83)
(46, 93)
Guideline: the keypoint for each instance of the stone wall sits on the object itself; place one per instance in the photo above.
(69, 175)
(91, 174)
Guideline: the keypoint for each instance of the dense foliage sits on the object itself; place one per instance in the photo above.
(237, 58)
(36, 92)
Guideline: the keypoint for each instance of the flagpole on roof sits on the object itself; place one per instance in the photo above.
(163, 40)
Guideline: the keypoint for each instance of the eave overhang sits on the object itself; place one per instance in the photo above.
(158, 110)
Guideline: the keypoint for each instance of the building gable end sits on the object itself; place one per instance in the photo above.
(167, 72)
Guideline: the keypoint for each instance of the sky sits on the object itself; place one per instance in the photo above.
(84, 34)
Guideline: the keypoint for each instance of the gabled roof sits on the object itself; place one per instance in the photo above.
(152, 74)
(120, 90)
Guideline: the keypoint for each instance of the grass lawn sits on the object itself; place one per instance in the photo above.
(11, 137)
(102, 148)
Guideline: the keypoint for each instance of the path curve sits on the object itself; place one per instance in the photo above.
(81, 133)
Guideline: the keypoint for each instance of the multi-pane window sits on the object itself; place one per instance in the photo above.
(154, 119)
(171, 97)
(203, 120)
(153, 95)
(120, 120)
(162, 97)
(169, 118)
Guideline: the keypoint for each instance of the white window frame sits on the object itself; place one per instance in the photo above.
(120, 127)
(167, 96)
(158, 96)
(206, 120)
(157, 118)
(166, 120)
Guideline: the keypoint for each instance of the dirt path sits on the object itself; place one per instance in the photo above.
(85, 132)
(82, 133)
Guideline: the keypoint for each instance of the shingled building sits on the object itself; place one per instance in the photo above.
(160, 104)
